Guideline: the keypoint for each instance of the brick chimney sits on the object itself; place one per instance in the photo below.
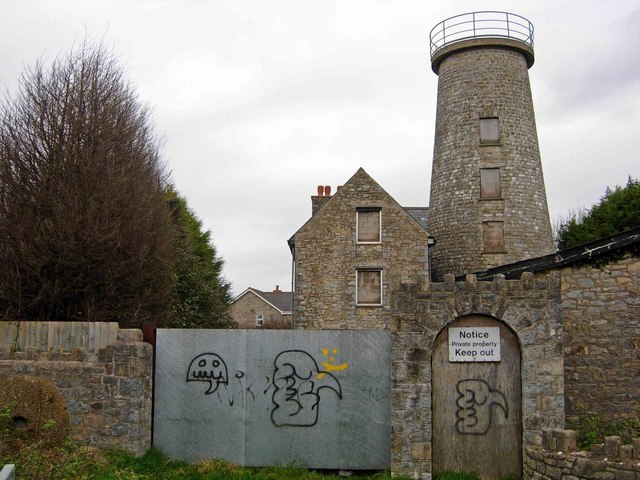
(318, 201)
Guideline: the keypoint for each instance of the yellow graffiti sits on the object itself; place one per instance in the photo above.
(331, 367)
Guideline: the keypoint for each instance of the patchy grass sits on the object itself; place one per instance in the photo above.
(35, 459)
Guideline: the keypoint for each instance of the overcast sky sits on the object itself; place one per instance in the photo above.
(261, 101)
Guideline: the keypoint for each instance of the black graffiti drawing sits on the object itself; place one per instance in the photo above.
(477, 404)
(208, 368)
(297, 383)
(234, 389)
(372, 393)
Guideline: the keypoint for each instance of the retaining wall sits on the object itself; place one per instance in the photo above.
(558, 458)
(105, 380)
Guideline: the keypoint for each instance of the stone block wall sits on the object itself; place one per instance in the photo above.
(601, 316)
(108, 395)
(327, 257)
(473, 83)
(558, 458)
(528, 305)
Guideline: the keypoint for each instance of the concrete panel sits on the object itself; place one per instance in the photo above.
(257, 398)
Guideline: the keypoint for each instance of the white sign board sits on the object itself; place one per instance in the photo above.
(474, 344)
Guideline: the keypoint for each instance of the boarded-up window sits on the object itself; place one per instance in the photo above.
(489, 131)
(489, 183)
(368, 229)
(369, 287)
(493, 233)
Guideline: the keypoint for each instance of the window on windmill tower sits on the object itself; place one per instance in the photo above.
(490, 183)
(489, 131)
(369, 287)
(368, 225)
(493, 236)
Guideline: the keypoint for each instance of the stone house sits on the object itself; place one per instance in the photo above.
(353, 254)
(254, 308)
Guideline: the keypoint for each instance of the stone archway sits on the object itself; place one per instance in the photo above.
(477, 400)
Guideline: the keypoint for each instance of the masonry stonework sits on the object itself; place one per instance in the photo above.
(601, 316)
(558, 458)
(108, 395)
(529, 306)
(327, 257)
(490, 81)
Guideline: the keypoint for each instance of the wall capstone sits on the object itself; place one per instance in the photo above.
(558, 458)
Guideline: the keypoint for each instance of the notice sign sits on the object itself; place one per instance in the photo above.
(474, 344)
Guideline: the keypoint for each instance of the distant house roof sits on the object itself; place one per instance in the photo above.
(278, 299)
(420, 215)
(582, 253)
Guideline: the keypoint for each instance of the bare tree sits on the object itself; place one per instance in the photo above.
(85, 232)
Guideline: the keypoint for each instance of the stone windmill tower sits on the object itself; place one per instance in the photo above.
(488, 203)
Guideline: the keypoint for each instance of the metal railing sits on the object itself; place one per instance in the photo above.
(486, 24)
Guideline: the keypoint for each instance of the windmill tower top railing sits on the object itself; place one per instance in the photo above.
(478, 28)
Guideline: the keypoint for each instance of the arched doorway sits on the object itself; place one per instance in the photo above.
(476, 398)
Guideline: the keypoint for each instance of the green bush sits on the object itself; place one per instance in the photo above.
(592, 429)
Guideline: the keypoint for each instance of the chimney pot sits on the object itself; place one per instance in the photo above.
(277, 289)
(327, 190)
(320, 190)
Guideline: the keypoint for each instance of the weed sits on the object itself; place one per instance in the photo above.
(592, 429)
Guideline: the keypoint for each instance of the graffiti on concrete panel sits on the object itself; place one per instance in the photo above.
(477, 402)
(330, 366)
(208, 368)
(297, 382)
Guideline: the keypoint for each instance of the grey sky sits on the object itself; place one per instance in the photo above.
(261, 101)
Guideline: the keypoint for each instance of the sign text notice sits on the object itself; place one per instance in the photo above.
(474, 344)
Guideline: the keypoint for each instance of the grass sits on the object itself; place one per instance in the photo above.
(73, 461)
(456, 476)
(36, 459)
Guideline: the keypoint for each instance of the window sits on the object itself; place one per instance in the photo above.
(368, 225)
(369, 287)
(493, 233)
(490, 183)
(489, 131)
(259, 320)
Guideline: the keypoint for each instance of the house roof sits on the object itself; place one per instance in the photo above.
(418, 214)
(582, 253)
(280, 300)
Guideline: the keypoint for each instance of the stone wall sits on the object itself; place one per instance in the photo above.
(327, 257)
(558, 458)
(474, 83)
(107, 395)
(529, 306)
(601, 316)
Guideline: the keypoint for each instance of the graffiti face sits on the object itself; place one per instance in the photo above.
(209, 368)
